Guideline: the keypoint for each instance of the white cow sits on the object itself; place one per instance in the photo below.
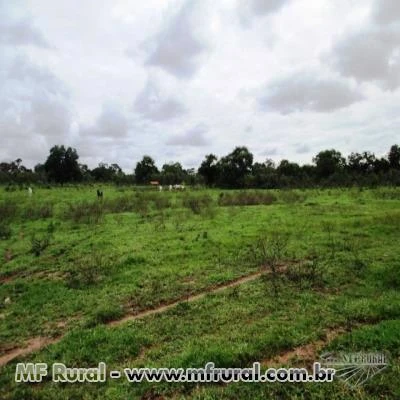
(160, 188)
(179, 187)
(30, 191)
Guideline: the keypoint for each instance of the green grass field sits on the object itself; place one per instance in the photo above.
(73, 268)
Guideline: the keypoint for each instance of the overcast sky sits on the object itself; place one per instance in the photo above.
(178, 79)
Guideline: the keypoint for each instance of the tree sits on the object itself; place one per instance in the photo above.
(235, 166)
(172, 174)
(62, 165)
(264, 175)
(289, 169)
(328, 162)
(394, 157)
(209, 169)
(145, 170)
(107, 173)
(361, 163)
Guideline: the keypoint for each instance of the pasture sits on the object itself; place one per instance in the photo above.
(233, 277)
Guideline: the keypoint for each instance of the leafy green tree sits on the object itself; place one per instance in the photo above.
(264, 175)
(62, 165)
(107, 173)
(394, 157)
(145, 170)
(361, 163)
(172, 174)
(235, 167)
(328, 162)
(209, 170)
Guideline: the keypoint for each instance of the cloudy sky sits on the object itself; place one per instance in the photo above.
(177, 79)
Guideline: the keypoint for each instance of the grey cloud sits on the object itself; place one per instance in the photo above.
(35, 111)
(270, 151)
(151, 104)
(371, 55)
(307, 92)
(111, 123)
(302, 148)
(176, 48)
(51, 117)
(34, 100)
(250, 9)
(21, 32)
(24, 73)
(386, 11)
(193, 137)
(262, 7)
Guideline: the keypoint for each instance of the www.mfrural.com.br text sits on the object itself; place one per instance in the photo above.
(59, 372)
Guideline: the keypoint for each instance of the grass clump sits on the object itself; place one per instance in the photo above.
(246, 198)
(5, 231)
(85, 212)
(198, 204)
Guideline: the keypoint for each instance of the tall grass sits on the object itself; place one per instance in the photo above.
(85, 212)
(246, 198)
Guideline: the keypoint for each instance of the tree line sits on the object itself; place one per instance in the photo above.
(235, 170)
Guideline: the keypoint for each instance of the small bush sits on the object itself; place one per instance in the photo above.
(86, 272)
(120, 204)
(162, 202)
(307, 273)
(197, 203)
(8, 210)
(387, 194)
(291, 196)
(39, 244)
(38, 212)
(85, 212)
(391, 276)
(246, 198)
(105, 313)
(5, 231)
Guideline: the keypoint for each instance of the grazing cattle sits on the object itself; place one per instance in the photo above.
(160, 188)
(179, 187)
(30, 191)
(170, 187)
(99, 194)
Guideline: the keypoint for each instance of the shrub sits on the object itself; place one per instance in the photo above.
(246, 198)
(387, 193)
(8, 210)
(268, 251)
(105, 313)
(198, 204)
(120, 204)
(85, 212)
(162, 202)
(291, 196)
(38, 245)
(5, 231)
(86, 272)
(38, 212)
(308, 272)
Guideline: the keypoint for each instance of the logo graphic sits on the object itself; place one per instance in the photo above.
(355, 368)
